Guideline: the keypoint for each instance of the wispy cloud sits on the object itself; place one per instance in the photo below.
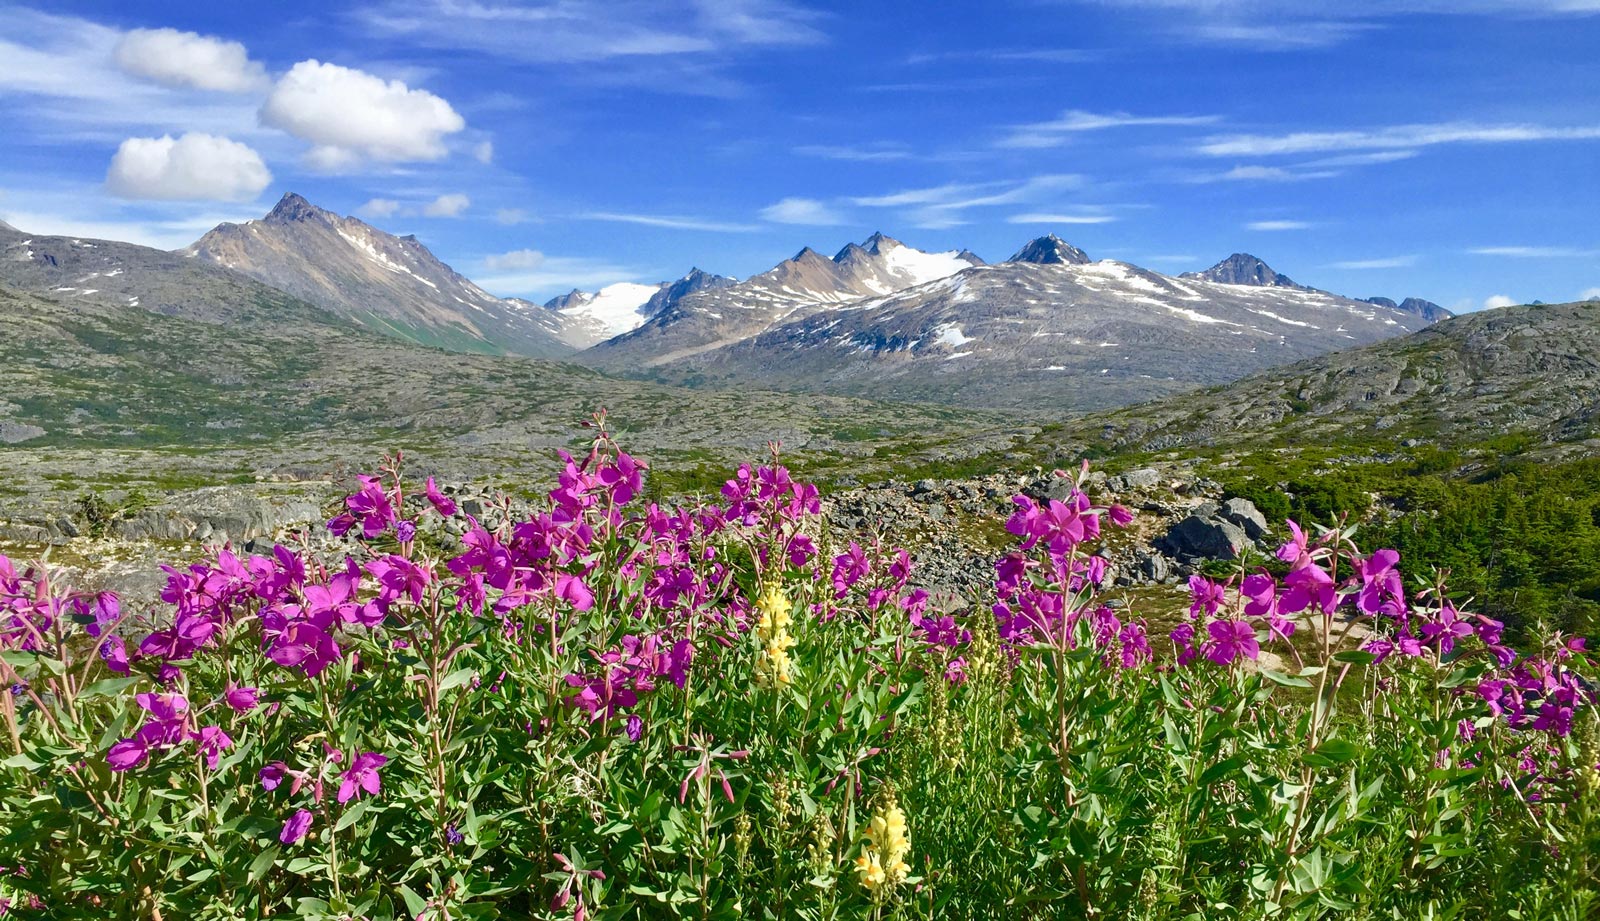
(1035, 217)
(1057, 131)
(530, 273)
(1536, 252)
(1499, 300)
(671, 222)
(1040, 55)
(1388, 262)
(1271, 226)
(868, 153)
(1259, 174)
(1407, 137)
(1589, 294)
(672, 46)
(1289, 25)
(943, 206)
(807, 211)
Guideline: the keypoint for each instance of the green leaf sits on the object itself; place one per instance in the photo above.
(457, 678)
(415, 904)
(107, 687)
(1356, 656)
(262, 864)
(1288, 681)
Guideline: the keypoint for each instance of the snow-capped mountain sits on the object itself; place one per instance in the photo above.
(593, 317)
(716, 316)
(1049, 328)
(388, 283)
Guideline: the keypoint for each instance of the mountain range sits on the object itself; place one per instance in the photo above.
(1048, 327)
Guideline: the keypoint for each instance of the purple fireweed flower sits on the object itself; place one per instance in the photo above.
(849, 568)
(634, 727)
(213, 742)
(1446, 630)
(571, 588)
(272, 775)
(1208, 596)
(242, 699)
(624, 478)
(296, 827)
(1309, 586)
(1294, 552)
(107, 611)
(1230, 640)
(1382, 590)
(362, 775)
(453, 835)
(1120, 516)
(1183, 638)
(405, 532)
(126, 754)
(442, 503)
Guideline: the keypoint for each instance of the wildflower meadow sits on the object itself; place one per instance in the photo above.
(611, 709)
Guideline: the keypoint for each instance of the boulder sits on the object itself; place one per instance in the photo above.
(1143, 478)
(1204, 538)
(1244, 513)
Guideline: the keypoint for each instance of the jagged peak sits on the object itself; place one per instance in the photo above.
(1245, 269)
(808, 255)
(294, 207)
(1050, 250)
(879, 241)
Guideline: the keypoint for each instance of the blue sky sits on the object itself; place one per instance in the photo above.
(1448, 149)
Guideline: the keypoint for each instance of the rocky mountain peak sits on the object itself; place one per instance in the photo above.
(1050, 250)
(1427, 310)
(1244, 269)
(570, 299)
(291, 208)
(879, 243)
(5, 226)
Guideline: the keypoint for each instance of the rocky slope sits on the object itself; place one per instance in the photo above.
(389, 284)
(1047, 329)
(106, 273)
(1532, 370)
(718, 316)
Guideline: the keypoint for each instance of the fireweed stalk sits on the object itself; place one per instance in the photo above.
(557, 714)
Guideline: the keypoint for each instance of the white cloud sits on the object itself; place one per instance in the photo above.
(451, 205)
(1499, 300)
(510, 216)
(1055, 132)
(1536, 252)
(167, 232)
(669, 221)
(942, 206)
(1277, 225)
(555, 274)
(1038, 218)
(1260, 174)
(1391, 137)
(871, 153)
(484, 152)
(1389, 262)
(1590, 294)
(517, 259)
(197, 167)
(379, 207)
(801, 211)
(350, 116)
(1279, 25)
(189, 60)
(588, 31)
(60, 79)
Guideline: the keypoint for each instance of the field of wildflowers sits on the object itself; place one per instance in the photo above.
(614, 710)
